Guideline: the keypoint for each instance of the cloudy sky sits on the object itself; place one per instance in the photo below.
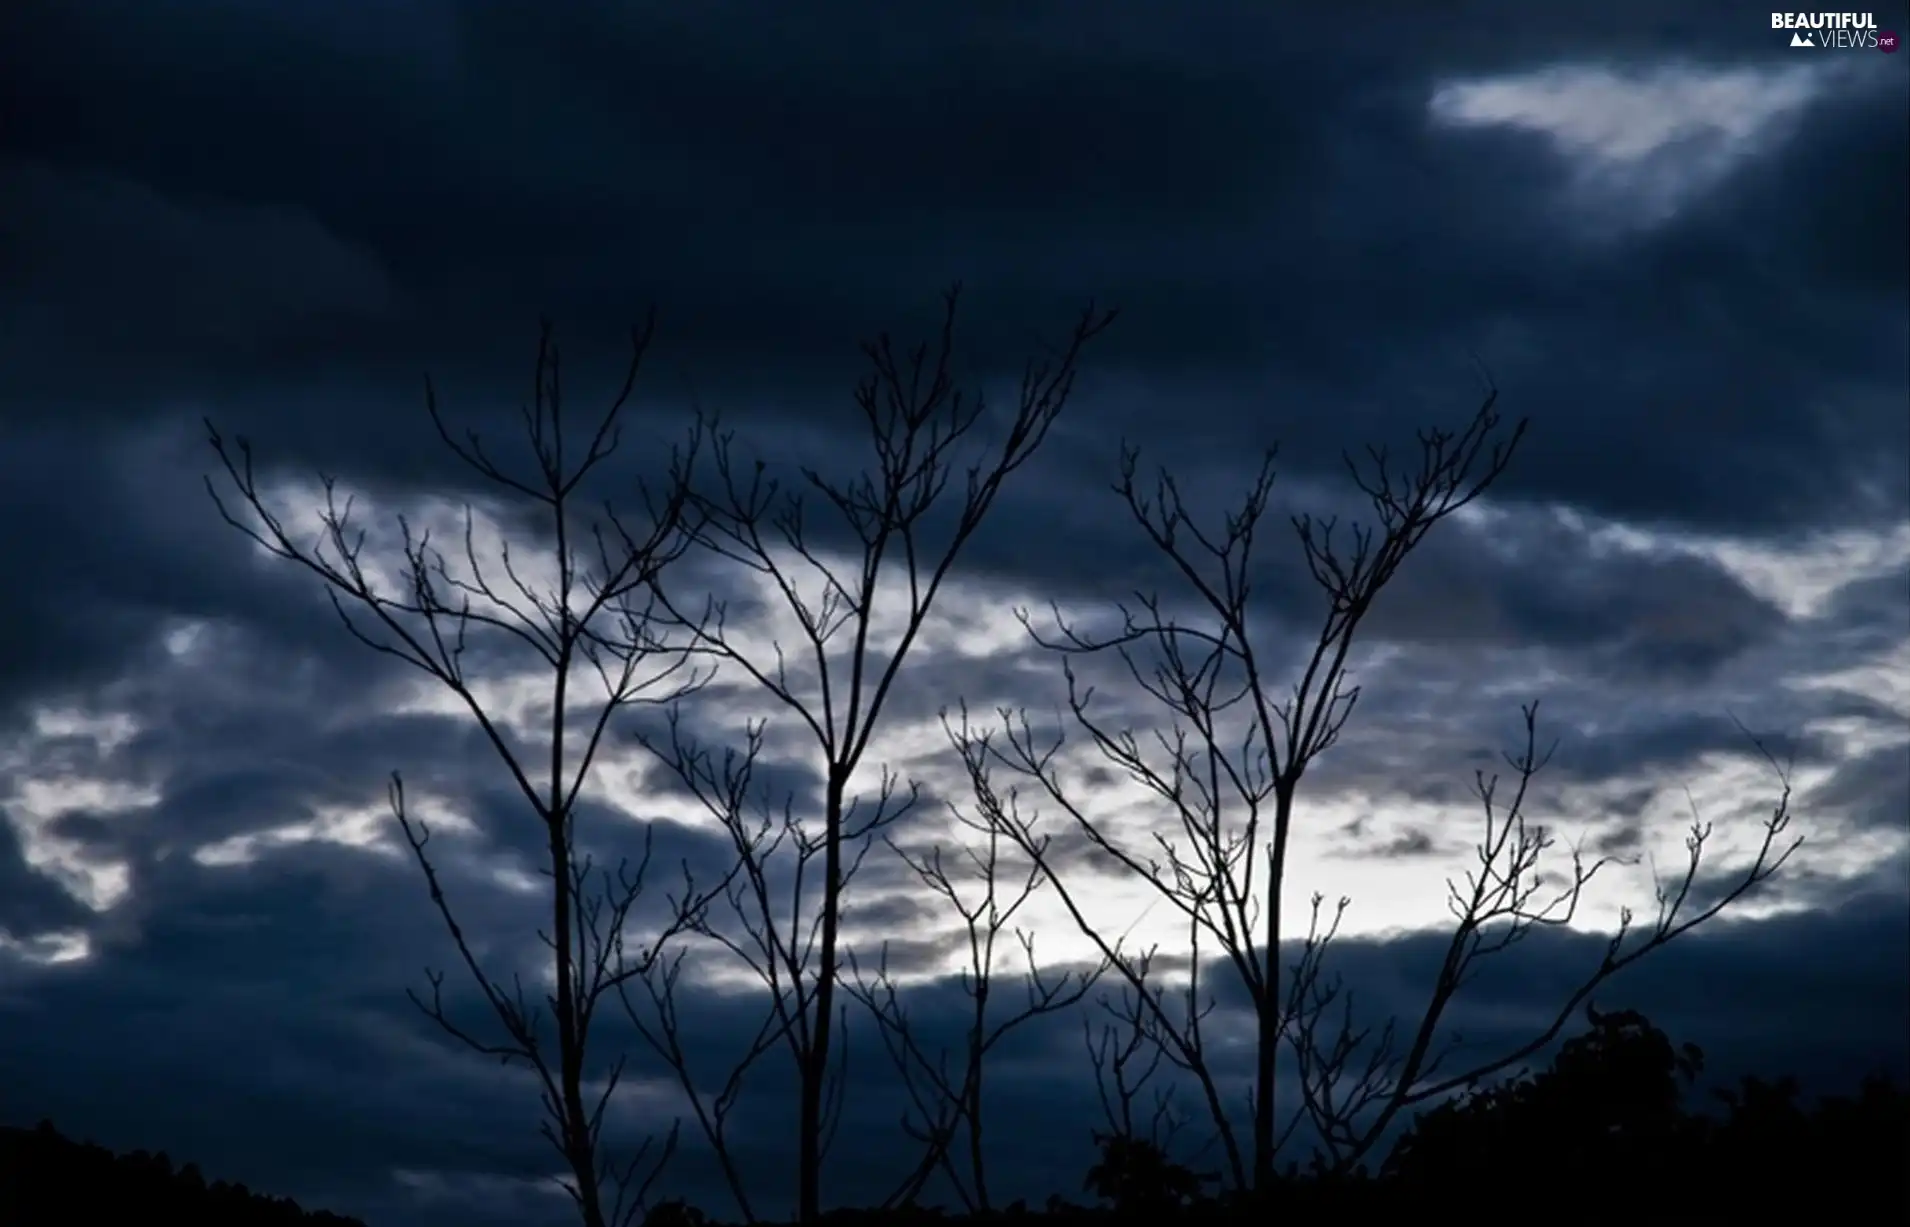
(1677, 245)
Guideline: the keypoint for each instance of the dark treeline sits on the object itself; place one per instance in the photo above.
(46, 1177)
(1609, 1128)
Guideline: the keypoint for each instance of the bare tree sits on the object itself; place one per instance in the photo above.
(1136, 1170)
(1229, 766)
(1168, 1025)
(916, 415)
(949, 1103)
(587, 622)
(775, 952)
(1126, 1056)
(1356, 1076)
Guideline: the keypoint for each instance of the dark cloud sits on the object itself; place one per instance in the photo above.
(1732, 1023)
(1407, 844)
(660, 165)
(1870, 614)
(206, 271)
(296, 969)
(30, 902)
(1524, 579)
(1318, 230)
(1874, 789)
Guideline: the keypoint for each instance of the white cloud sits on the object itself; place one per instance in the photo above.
(36, 801)
(1638, 144)
(972, 641)
(366, 828)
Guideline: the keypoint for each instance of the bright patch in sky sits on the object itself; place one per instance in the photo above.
(37, 803)
(365, 827)
(1800, 578)
(978, 628)
(1639, 145)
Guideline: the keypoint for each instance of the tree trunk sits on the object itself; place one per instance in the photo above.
(815, 1071)
(1267, 1050)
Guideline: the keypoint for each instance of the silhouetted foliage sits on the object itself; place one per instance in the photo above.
(1609, 1128)
(48, 1178)
(1609, 1101)
(1607, 1120)
(1768, 1152)
(1135, 1174)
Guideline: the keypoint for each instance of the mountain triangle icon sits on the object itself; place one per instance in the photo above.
(1801, 40)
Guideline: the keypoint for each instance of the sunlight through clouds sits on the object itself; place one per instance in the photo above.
(975, 623)
(973, 638)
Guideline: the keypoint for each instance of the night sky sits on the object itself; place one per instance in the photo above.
(1677, 246)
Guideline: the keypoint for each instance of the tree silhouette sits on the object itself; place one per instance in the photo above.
(1226, 773)
(1764, 1142)
(946, 1101)
(50, 1180)
(1610, 1101)
(1611, 1120)
(1136, 1176)
(904, 538)
(585, 622)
